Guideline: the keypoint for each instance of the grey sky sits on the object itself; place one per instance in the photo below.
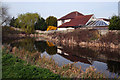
(59, 9)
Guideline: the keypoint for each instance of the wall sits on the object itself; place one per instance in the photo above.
(103, 32)
(65, 29)
(60, 22)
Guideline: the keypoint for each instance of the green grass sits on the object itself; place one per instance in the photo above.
(13, 67)
(16, 67)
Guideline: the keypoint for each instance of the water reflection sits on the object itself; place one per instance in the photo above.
(75, 58)
(26, 44)
(109, 60)
(29, 44)
(90, 56)
(114, 67)
(43, 46)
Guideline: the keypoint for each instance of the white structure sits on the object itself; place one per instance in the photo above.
(91, 19)
(98, 22)
(65, 29)
(119, 8)
(60, 22)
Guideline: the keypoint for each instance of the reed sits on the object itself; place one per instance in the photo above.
(69, 70)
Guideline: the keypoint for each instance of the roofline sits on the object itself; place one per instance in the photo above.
(80, 24)
(92, 15)
(64, 19)
(67, 14)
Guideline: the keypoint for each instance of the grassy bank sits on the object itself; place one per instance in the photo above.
(13, 67)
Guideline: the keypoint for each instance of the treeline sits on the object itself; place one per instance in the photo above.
(30, 22)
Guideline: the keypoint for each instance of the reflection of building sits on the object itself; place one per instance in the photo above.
(77, 58)
(73, 56)
(119, 8)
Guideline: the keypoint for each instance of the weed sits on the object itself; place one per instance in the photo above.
(66, 71)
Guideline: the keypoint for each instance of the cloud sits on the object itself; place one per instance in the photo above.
(60, 0)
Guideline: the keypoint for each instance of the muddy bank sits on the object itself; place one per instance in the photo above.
(85, 38)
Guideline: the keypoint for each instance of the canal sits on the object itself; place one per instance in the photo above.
(106, 61)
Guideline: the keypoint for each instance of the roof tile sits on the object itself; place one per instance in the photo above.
(71, 15)
(77, 21)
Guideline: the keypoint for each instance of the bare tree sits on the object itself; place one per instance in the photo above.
(0, 13)
(4, 15)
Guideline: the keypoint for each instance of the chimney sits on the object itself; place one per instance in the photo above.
(76, 13)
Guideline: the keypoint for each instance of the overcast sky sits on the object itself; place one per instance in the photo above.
(59, 9)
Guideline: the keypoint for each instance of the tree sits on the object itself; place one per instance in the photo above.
(115, 23)
(51, 21)
(41, 24)
(17, 24)
(27, 21)
(12, 22)
(4, 15)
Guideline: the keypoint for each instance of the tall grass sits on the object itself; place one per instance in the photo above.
(69, 70)
(14, 68)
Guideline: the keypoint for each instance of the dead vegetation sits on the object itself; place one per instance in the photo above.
(88, 37)
(68, 70)
(78, 35)
(111, 37)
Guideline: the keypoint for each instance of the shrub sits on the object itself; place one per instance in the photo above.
(51, 21)
(51, 28)
(41, 24)
(115, 23)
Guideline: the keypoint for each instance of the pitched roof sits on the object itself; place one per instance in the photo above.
(77, 21)
(97, 23)
(105, 19)
(71, 15)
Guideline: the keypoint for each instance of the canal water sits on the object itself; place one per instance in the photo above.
(106, 61)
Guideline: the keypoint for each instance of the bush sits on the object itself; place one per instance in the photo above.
(41, 24)
(51, 21)
(51, 28)
(115, 23)
(12, 22)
